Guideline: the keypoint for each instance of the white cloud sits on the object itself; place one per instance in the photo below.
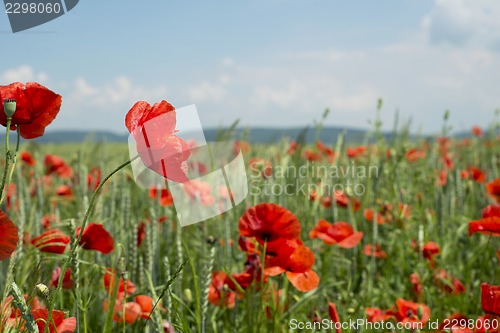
(207, 91)
(464, 22)
(228, 61)
(415, 77)
(103, 105)
(24, 73)
(117, 93)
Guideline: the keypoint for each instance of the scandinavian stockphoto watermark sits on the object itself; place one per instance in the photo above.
(25, 15)
(205, 179)
(309, 178)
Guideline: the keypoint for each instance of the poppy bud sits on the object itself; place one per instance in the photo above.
(9, 107)
(211, 240)
(42, 290)
(349, 191)
(188, 295)
(122, 267)
(420, 312)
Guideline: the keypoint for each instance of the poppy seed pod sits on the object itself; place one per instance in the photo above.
(42, 290)
(9, 107)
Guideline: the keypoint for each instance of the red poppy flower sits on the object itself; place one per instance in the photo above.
(325, 201)
(493, 189)
(297, 260)
(490, 299)
(153, 128)
(60, 323)
(128, 312)
(64, 191)
(375, 315)
(165, 199)
(456, 319)
(442, 178)
(36, 107)
(374, 251)
(252, 272)
(326, 151)
(8, 236)
(94, 179)
(10, 316)
(167, 327)
(55, 164)
(310, 155)
(477, 174)
(410, 312)
(198, 168)
(109, 278)
(353, 152)
(368, 214)
(485, 321)
(293, 147)
(247, 245)
(268, 222)
(67, 281)
(447, 160)
(9, 197)
(27, 158)
(340, 233)
(416, 283)
(95, 237)
(146, 304)
(343, 200)
(430, 250)
(477, 131)
(490, 211)
(219, 295)
(448, 283)
(334, 316)
(200, 191)
(141, 233)
(242, 146)
(52, 241)
(488, 226)
(414, 155)
(47, 220)
(260, 166)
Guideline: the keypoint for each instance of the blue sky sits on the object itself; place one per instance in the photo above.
(267, 63)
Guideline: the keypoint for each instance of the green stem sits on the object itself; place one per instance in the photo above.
(14, 161)
(75, 246)
(7, 159)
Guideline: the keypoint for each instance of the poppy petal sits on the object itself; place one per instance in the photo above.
(301, 260)
(146, 304)
(490, 299)
(95, 237)
(334, 316)
(351, 241)
(8, 236)
(489, 225)
(52, 241)
(305, 281)
(273, 271)
(67, 326)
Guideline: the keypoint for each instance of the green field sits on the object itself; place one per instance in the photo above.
(175, 265)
